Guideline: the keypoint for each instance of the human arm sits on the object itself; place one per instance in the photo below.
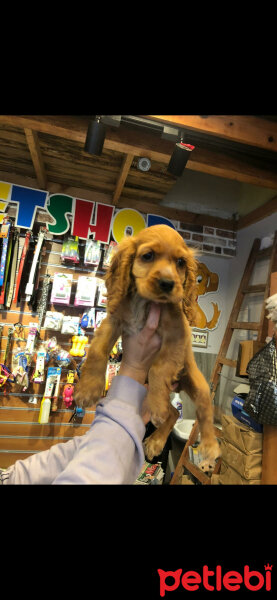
(111, 451)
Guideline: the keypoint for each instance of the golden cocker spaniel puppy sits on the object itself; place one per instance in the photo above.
(153, 266)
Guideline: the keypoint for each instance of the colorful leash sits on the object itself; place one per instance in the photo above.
(34, 298)
(5, 230)
(10, 284)
(43, 299)
(21, 264)
(10, 332)
(30, 285)
(1, 331)
(7, 269)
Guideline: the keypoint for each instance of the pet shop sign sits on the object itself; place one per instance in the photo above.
(60, 206)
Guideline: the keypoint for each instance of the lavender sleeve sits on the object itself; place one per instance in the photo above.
(111, 452)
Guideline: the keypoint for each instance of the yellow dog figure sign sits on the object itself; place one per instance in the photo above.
(206, 282)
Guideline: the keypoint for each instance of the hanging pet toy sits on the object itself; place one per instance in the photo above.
(69, 389)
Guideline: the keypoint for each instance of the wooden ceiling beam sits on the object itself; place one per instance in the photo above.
(248, 130)
(144, 144)
(266, 210)
(125, 168)
(33, 144)
(220, 165)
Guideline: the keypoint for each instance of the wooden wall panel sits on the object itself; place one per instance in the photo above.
(20, 433)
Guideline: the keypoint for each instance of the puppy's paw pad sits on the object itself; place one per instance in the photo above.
(152, 447)
(88, 393)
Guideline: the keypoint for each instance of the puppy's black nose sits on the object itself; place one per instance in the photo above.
(166, 285)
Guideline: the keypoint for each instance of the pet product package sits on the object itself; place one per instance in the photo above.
(92, 253)
(100, 315)
(85, 294)
(241, 415)
(61, 289)
(109, 253)
(53, 320)
(70, 250)
(101, 298)
(70, 325)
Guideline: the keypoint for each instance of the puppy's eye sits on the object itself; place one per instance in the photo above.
(181, 262)
(199, 278)
(148, 256)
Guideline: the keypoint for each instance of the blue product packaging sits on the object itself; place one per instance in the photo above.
(242, 416)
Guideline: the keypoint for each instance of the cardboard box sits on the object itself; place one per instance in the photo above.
(241, 415)
(229, 476)
(249, 466)
(215, 479)
(247, 350)
(241, 436)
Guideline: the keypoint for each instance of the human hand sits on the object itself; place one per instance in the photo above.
(140, 349)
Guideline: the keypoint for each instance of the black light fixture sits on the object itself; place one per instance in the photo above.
(179, 158)
(95, 137)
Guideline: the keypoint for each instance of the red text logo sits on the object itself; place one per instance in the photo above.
(215, 580)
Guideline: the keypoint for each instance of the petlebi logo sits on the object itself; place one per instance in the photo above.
(215, 580)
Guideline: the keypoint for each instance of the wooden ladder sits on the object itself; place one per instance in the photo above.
(221, 360)
(245, 288)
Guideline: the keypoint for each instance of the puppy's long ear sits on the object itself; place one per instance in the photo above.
(190, 287)
(118, 278)
(213, 282)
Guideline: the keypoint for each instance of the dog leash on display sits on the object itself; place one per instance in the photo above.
(43, 299)
(10, 286)
(10, 332)
(21, 264)
(1, 331)
(6, 264)
(34, 299)
(30, 285)
(5, 233)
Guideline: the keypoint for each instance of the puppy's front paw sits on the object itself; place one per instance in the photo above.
(209, 449)
(152, 446)
(88, 391)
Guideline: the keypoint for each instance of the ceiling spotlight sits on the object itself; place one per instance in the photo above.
(144, 164)
(95, 137)
(179, 158)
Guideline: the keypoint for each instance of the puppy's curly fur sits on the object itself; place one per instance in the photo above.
(153, 266)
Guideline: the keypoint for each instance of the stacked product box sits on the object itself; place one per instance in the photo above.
(241, 449)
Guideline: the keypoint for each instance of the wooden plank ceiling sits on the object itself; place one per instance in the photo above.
(47, 152)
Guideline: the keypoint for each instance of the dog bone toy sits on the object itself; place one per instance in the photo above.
(78, 345)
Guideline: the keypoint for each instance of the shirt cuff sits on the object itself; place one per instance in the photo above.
(127, 390)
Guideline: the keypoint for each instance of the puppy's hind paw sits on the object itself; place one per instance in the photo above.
(210, 449)
(152, 447)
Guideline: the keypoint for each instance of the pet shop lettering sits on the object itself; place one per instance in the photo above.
(88, 217)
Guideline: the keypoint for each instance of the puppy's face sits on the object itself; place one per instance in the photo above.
(206, 281)
(161, 264)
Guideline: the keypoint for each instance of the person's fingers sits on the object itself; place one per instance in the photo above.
(153, 317)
